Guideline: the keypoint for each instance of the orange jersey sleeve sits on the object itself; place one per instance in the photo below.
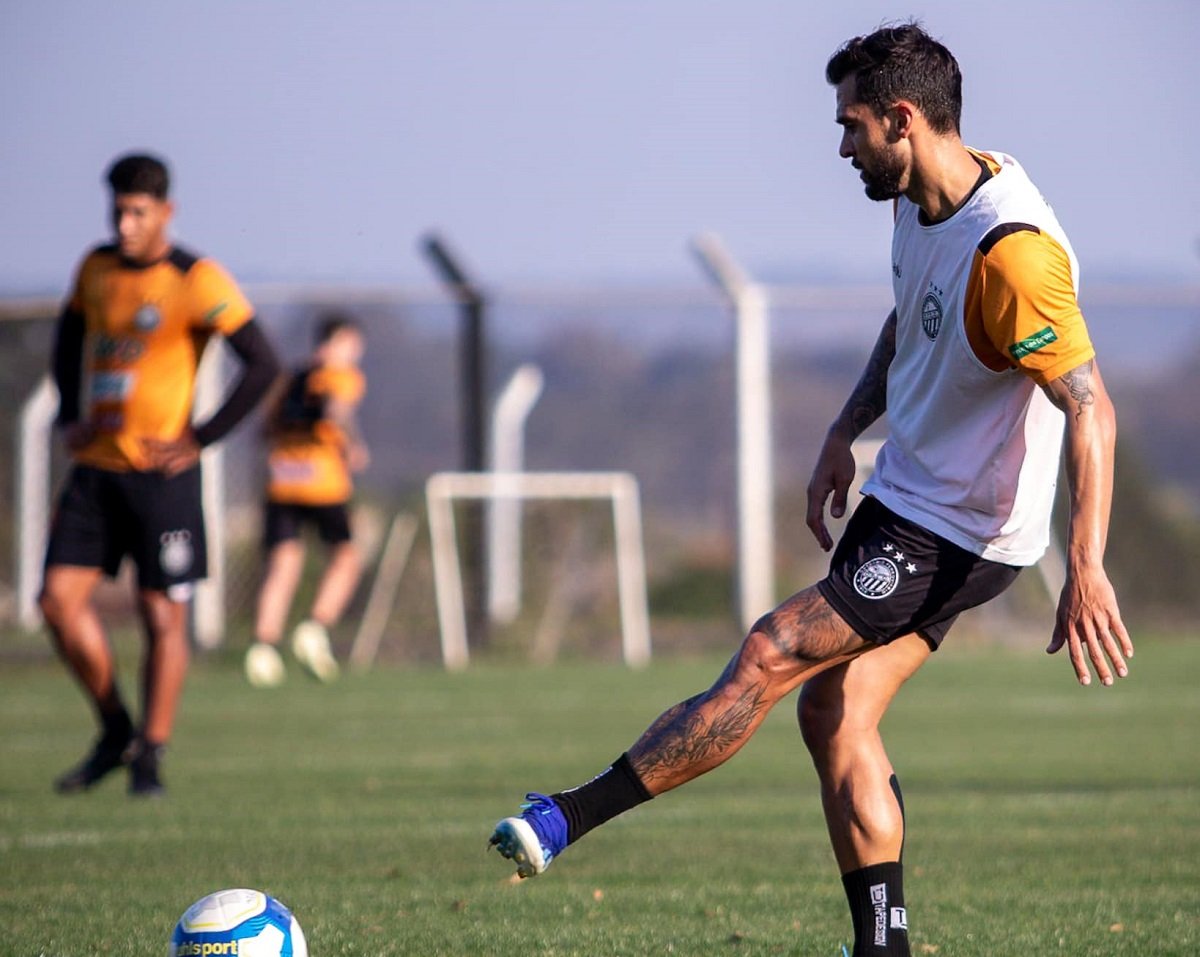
(1021, 309)
(217, 304)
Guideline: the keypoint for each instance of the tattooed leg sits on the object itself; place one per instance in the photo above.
(799, 639)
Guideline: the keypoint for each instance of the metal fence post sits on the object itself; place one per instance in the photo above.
(516, 401)
(756, 479)
(473, 384)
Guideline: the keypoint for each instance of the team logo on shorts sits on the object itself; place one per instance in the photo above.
(931, 312)
(176, 553)
(876, 578)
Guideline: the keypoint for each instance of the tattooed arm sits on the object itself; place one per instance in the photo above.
(868, 401)
(834, 470)
(1088, 620)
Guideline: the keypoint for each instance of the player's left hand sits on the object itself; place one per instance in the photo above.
(1089, 624)
(172, 456)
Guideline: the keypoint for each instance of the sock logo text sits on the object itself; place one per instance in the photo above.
(879, 902)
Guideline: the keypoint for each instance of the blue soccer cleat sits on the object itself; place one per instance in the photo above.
(534, 838)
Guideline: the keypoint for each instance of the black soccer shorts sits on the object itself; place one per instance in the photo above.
(890, 577)
(284, 522)
(102, 516)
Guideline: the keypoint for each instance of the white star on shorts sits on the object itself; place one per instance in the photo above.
(911, 568)
(899, 556)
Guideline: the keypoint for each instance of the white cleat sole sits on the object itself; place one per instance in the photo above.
(516, 840)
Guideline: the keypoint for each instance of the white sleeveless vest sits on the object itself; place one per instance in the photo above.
(972, 454)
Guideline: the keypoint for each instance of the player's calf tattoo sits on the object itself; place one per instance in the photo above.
(704, 730)
(691, 734)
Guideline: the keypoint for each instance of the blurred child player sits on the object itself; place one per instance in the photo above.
(314, 445)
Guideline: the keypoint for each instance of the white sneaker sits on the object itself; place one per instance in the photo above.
(310, 645)
(264, 666)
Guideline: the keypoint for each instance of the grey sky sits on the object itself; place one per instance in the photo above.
(568, 141)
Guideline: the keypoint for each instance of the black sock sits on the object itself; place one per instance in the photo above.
(876, 897)
(610, 793)
(117, 725)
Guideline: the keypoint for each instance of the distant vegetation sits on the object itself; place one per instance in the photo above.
(667, 414)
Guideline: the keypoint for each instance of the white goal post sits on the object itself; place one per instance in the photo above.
(620, 488)
(31, 518)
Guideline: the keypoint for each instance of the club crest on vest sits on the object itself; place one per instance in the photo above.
(931, 314)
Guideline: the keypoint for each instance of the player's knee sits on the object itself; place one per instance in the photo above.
(783, 640)
(56, 607)
(50, 607)
(767, 650)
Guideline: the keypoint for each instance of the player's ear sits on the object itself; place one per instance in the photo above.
(902, 116)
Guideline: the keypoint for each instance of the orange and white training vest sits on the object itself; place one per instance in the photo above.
(986, 312)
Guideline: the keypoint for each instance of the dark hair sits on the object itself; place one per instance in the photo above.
(902, 62)
(139, 173)
(333, 323)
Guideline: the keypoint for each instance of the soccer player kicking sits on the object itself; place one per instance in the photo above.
(981, 367)
(134, 329)
(314, 446)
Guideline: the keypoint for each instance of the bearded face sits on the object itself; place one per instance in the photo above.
(882, 174)
(867, 143)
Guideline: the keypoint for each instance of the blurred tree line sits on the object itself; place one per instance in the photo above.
(667, 414)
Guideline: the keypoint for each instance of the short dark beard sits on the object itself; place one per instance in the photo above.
(883, 182)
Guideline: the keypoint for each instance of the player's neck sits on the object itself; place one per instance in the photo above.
(156, 253)
(943, 179)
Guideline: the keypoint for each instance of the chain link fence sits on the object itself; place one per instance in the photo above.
(639, 380)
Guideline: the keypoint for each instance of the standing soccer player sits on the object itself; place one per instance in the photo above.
(982, 367)
(315, 445)
(129, 340)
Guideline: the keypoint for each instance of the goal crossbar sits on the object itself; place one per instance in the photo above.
(443, 488)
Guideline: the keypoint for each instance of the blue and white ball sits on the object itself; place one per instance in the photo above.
(238, 922)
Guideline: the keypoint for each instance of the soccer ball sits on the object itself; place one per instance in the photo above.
(238, 922)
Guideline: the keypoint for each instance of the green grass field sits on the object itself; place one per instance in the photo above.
(1043, 818)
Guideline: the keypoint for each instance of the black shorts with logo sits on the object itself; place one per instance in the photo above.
(284, 521)
(102, 516)
(890, 577)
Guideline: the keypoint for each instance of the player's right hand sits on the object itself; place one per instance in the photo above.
(833, 474)
(172, 456)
